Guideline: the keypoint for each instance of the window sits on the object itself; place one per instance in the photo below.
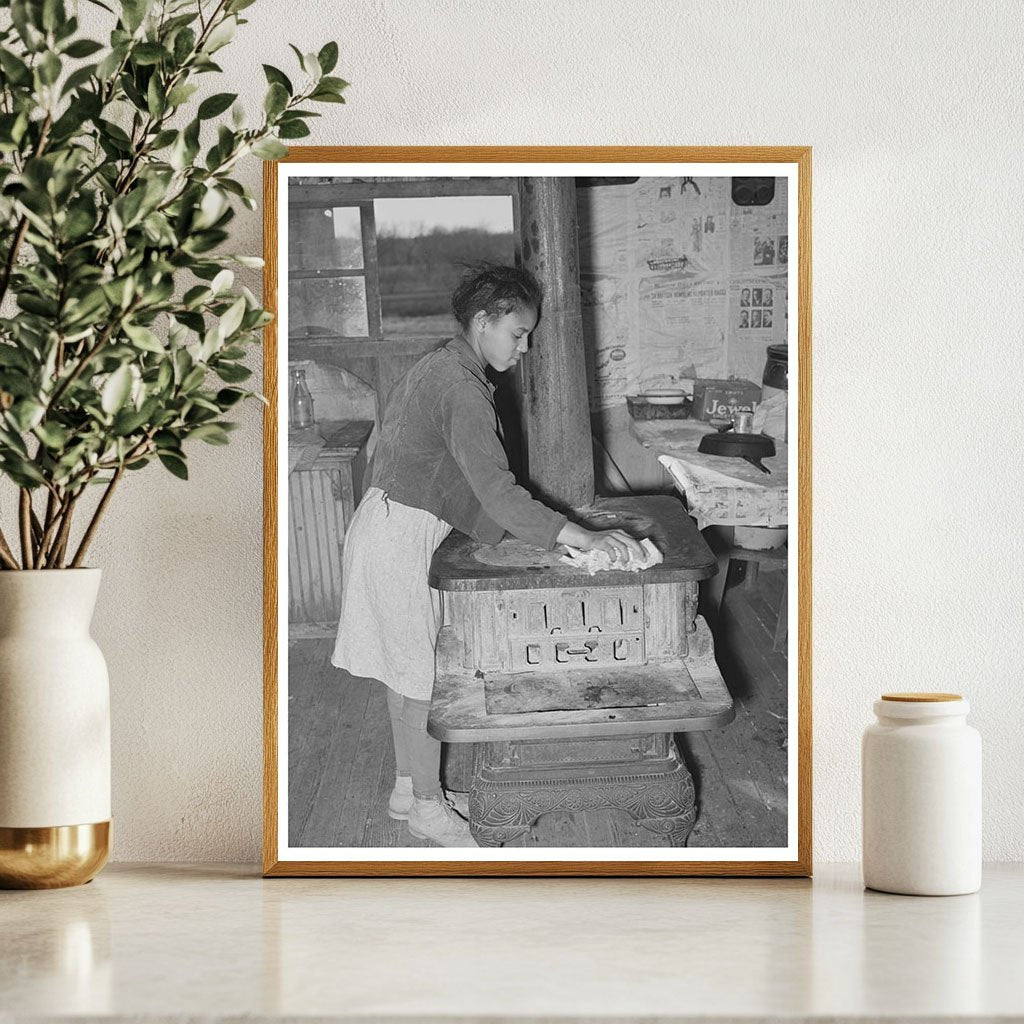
(373, 263)
(423, 245)
(327, 272)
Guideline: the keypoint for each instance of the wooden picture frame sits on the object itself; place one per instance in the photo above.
(472, 171)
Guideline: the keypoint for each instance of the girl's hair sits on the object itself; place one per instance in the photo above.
(496, 289)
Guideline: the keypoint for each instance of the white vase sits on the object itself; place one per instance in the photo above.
(54, 731)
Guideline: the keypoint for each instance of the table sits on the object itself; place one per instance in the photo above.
(722, 492)
(174, 943)
(718, 491)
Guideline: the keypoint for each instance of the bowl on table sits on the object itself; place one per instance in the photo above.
(664, 396)
(660, 404)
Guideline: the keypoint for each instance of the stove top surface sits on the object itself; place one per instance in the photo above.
(461, 563)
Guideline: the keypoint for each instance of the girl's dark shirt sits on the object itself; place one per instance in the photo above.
(439, 450)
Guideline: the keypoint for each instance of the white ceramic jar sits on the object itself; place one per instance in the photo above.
(921, 779)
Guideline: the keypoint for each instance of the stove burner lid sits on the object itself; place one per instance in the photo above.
(512, 553)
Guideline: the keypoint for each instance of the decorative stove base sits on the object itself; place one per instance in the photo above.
(515, 783)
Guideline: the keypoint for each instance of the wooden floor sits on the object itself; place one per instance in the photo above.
(341, 766)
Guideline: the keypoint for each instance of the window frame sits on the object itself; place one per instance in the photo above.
(361, 194)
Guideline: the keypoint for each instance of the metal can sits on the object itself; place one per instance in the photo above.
(743, 422)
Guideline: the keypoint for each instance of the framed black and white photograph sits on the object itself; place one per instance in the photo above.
(537, 601)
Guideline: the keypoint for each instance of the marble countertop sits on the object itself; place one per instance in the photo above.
(180, 941)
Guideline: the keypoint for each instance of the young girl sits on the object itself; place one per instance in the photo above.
(439, 464)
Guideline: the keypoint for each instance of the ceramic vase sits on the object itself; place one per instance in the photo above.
(54, 731)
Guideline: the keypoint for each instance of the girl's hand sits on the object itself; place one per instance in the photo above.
(616, 543)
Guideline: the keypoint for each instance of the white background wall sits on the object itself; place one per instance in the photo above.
(914, 113)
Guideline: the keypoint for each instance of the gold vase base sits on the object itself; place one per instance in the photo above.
(54, 857)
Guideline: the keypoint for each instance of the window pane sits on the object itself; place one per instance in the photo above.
(324, 237)
(327, 306)
(421, 244)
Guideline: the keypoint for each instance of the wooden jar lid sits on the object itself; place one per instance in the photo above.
(921, 698)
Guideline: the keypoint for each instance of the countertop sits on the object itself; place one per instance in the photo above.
(174, 942)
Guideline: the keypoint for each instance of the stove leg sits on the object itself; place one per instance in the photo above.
(669, 806)
(676, 830)
(500, 812)
(488, 836)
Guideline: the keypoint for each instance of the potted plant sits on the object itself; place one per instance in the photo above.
(122, 339)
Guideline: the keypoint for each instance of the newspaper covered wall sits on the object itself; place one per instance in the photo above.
(679, 282)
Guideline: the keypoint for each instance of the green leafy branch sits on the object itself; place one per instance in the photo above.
(129, 335)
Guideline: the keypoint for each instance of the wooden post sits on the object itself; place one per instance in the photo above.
(555, 413)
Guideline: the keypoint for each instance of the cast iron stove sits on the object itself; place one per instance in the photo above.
(572, 686)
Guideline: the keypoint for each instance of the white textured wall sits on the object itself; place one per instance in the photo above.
(913, 110)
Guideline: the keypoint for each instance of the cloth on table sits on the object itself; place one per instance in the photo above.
(715, 498)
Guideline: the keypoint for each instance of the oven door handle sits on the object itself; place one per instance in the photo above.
(563, 652)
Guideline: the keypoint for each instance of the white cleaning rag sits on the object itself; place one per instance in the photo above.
(601, 561)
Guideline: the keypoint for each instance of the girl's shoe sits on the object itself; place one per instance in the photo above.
(400, 803)
(437, 820)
